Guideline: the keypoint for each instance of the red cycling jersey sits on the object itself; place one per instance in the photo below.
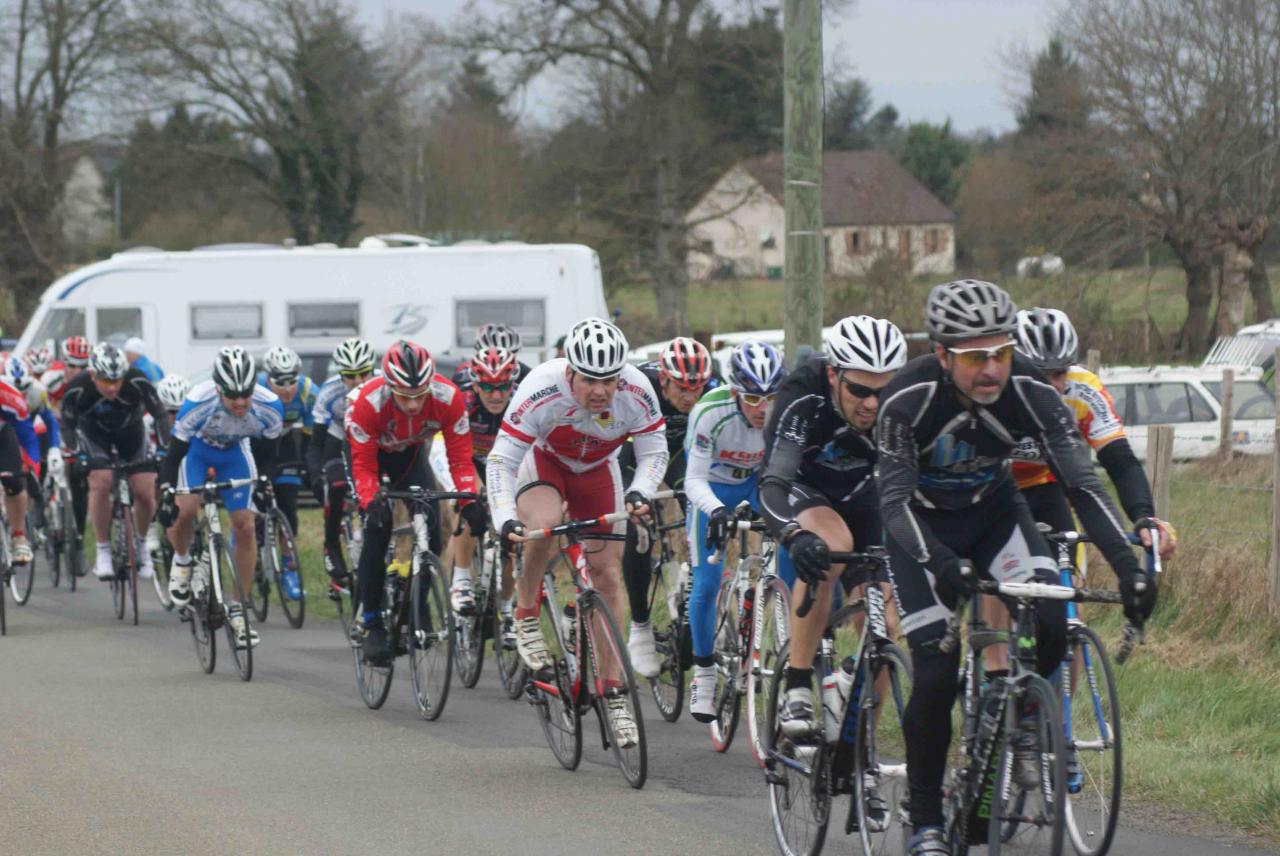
(374, 423)
(55, 381)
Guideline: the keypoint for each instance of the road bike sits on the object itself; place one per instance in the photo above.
(351, 541)
(277, 558)
(668, 614)
(64, 544)
(124, 542)
(487, 621)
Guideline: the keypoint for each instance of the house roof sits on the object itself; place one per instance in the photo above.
(864, 188)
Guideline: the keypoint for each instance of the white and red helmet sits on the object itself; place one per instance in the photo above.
(407, 365)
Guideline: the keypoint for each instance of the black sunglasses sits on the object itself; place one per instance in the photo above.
(858, 390)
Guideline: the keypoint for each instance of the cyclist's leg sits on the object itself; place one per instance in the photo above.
(182, 532)
(707, 575)
(815, 513)
(637, 573)
(14, 479)
(78, 485)
(237, 463)
(335, 482)
(286, 488)
(97, 449)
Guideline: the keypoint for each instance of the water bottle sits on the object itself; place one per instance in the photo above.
(835, 692)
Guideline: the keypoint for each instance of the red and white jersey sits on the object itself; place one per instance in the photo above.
(55, 381)
(374, 423)
(543, 413)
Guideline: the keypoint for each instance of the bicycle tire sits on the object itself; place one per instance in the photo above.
(558, 713)
(197, 613)
(119, 561)
(1094, 808)
(792, 769)
(162, 559)
(667, 688)
(229, 585)
(283, 552)
(23, 577)
(260, 588)
(1009, 832)
(728, 662)
(54, 539)
(604, 642)
(4, 579)
(432, 638)
(131, 562)
(73, 544)
(469, 630)
(874, 734)
(373, 682)
(511, 668)
(771, 627)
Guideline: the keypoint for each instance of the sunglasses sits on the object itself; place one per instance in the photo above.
(285, 381)
(237, 396)
(978, 357)
(858, 390)
(752, 400)
(494, 387)
(355, 374)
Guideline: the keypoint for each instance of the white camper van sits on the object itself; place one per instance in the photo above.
(187, 305)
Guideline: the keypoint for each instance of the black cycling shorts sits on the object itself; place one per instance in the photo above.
(861, 515)
(1048, 504)
(11, 462)
(99, 447)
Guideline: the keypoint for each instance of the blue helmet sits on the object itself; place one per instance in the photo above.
(755, 368)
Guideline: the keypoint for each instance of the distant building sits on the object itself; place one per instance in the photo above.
(870, 206)
(87, 212)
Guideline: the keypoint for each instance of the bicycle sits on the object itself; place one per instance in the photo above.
(277, 556)
(351, 541)
(1093, 727)
(22, 577)
(843, 753)
(415, 612)
(591, 669)
(487, 621)
(213, 574)
(6, 561)
(670, 627)
(124, 544)
(63, 543)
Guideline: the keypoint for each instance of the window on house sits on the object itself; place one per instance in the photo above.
(707, 247)
(769, 243)
(932, 241)
(853, 242)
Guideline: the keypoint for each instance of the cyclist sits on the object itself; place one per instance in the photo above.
(947, 428)
(390, 423)
(680, 375)
(558, 445)
(17, 445)
(282, 374)
(486, 384)
(818, 489)
(354, 359)
(102, 413)
(172, 391)
(75, 358)
(231, 425)
(502, 338)
(725, 449)
(43, 425)
(135, 351)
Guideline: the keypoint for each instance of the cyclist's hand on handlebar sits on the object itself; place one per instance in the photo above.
(513, 532)
(167, 512)
(377, 514)
(476, 517)
(950, 581)
(810, 555)
(637, 505)
(718, 528)
(1168, 536)
(1139, 595)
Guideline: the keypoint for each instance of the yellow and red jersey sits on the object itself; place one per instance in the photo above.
(1095, 415)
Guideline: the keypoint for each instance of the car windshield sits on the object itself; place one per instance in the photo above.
(1251, 398)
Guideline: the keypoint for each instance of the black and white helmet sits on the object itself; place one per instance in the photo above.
(173, 390)
(108, 362)
(498, 336)
(354, 357)
(596, 348)
(1046, 337)
(866, 344)
(968, 309)
(234, 372)
(282, 365)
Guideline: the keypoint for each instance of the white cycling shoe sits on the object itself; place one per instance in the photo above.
(103, 567)
(531, 644)
(702, 694)
(180, 583)
(643, 650)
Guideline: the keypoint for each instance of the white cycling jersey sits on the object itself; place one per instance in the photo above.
(544, 414)
(720, 447)
(202, 417)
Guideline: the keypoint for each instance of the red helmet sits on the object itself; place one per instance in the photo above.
(493, 365)
(407, 365)
(685, 362)
(75, 351)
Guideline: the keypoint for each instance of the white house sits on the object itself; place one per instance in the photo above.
(870, 206)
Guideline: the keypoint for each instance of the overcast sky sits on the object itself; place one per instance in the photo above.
(932, 59)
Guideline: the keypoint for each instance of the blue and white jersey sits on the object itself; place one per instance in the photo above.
(202, 417)
(331, 404)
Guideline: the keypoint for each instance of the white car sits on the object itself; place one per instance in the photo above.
(1186, 397)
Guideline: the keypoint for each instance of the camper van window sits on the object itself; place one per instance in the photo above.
(118, 323)
(324, 319)
(226, 321)
(58, 324)
(526, 317)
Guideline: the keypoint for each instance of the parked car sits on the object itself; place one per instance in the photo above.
(1187, 397)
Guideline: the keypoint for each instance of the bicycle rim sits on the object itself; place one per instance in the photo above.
(1093, 798)
(880, 760)
(511, 668)
(771, 624)
(431, 642)
(72, 545)
(161, 559)
(1031, 821)
(24, 576)
(799, 803)
(665, 615)
(284, 556)
(131, 559)
(469, 630)
(614, 680)
(197, 613)
(54, 542)
(233, 592)
(728, 661)
(374, 682)
(551, 692)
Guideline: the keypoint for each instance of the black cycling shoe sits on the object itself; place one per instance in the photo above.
(375, 647)
(929, 841)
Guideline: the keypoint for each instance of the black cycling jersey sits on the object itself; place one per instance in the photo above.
(84, 409)
(807, 441)
(677, 425)
(937, 454)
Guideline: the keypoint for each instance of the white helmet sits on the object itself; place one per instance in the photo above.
(173, 390)
(968, 309)
(107, 362)
(498, 336)
(596, 348)
(866, 344)
(282, 364)
(234, 373)
(1047, 338)
(354, 356)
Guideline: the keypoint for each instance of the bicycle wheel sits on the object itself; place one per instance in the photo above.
(54, 537)
(551, 692)
(796, 774)
(728, 659)
(119, 560)
(4, 577)
(260, 588)
(233, 600)
(469, 630)
(161, 559)
(1094, 763)
(1031, 820)
(613, 683)
(23, 577)
(771, 625)
(879, 769)
(131, 563)
(374, 682)
(283, 554)
(72, 544)
(198, 613)
(666, 613)
(431, 642)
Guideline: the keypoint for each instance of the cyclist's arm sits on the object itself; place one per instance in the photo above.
(151, 401)
(176, 451)
(1130, 479)
(70, 415)
(500, 475)
(363, 441)
(697, 482)
(315, 452)
(651, 460)
(27, 437)
(786, 436)
(457, 445)
(51, 423)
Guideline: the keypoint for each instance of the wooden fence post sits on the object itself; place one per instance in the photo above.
(1160, 466)
(1093, 360)
(1226, 399)
(1273, 589)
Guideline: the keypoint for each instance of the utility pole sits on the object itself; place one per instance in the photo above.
(802, 174)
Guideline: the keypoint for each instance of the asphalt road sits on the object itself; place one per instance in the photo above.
(117, 743)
